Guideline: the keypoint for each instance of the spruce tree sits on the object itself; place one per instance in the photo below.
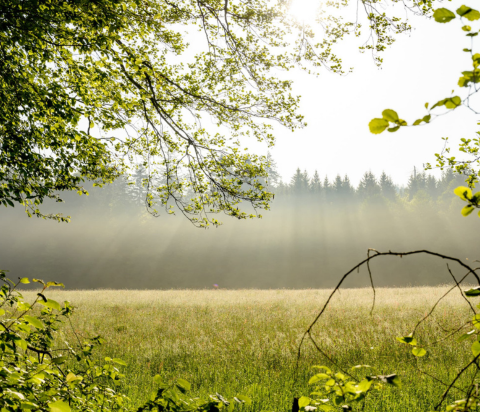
(387, 187)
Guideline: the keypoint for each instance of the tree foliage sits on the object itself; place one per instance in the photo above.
(90, 88)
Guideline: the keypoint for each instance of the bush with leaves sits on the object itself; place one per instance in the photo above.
(342, 389)
(36, 374)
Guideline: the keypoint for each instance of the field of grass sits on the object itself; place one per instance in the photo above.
(245, 341)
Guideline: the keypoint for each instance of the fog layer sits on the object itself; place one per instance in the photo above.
(305, 241)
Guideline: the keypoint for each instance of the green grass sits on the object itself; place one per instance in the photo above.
(245, 341)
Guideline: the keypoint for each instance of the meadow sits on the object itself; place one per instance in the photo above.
(245, 341)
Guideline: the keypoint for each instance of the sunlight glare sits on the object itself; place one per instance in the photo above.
(304, 11)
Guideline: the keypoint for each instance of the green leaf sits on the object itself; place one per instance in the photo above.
(59, 406)
(58, 360)
(419, 352)
(463, 192)
(466, 28)
(443, 15)
(28, 405)
(453, 102)
(50, 303)
(390, 115)
(359, 367)
(364, 385)
(55, 284)
(468, 13)
(476, 348)
(393, 129)
(303, 401)
(184, 384)
(71, 377)
(476, 321)
(120, 361)
(410, 340)
(393, 380)
(473, 291)
(24, 280)
(325, 368)
(466, 210)
(33, 321)
(377, 126)
(466, 335)
(318, 377)
(157, 379)
(476, 198)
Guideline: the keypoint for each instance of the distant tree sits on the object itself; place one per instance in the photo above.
(272, 171)
(316, 184)
(417, 181)
(282, 189)
(368, 186)
(342, 190)
(387, 187)
(337, 186)
(138, 183)
(299, 183)
(327, 190)
(347, 185)
(431, 187)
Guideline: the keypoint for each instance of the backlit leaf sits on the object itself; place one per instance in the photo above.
(33, 321)
(377, 126)
(443, 15)
(419, 352)
(468, 13)
(476, 348)
(463, 192)
(467, 210)
(59, 406)
(390, 115)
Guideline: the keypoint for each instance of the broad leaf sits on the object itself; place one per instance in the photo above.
(390, 115)
(468, 13)
(463, 192)
(377, 126)
(443, 15)
(466, 210)
(33, 321)
(59, 406)
(419, 352)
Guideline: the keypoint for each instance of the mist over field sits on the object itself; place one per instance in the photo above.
(300, 243)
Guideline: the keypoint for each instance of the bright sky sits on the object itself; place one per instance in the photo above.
(421, 67)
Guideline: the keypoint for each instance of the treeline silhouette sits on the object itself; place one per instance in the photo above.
(128, 194)
(316, 230)
(340, 190)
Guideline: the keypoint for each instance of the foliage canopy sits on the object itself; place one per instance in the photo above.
(89, 89)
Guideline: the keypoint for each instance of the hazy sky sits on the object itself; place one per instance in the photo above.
(421, 67)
